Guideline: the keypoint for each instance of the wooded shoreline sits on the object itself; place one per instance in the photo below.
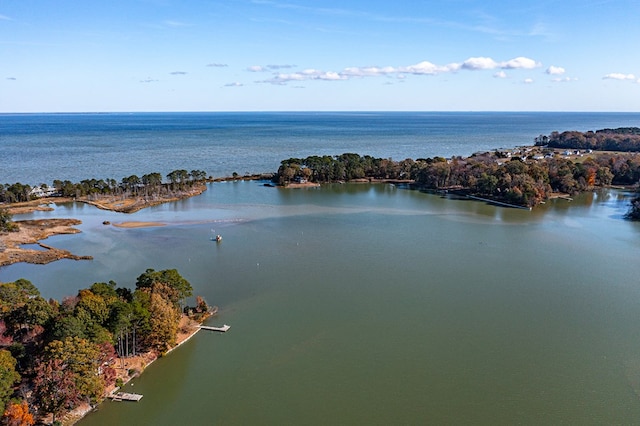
(516, 177)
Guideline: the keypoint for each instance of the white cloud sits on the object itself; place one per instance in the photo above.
(4, 18)
(234, 84)
(553, 70)
(528, 81)
(217, 65)
(619, 76)
(178, 73)
(421, 68)
(480, 63)
(368, 71)
(520, 63)
(427, 68)
(330, 76)
(483, 63)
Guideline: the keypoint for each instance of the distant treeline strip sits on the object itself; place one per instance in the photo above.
(626, 139)
(148, 185)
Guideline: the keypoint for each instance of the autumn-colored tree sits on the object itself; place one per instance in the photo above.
(91, 307)
(80, 357)
(18, 414)
(164, 319)
(201, 305)
(106, 361)
(54, 387)
(8, 377)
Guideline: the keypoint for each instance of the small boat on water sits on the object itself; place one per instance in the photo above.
(217, 238)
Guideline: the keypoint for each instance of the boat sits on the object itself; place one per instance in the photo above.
(218, 238)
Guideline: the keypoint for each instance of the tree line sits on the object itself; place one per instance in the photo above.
(148, 185)
(517, 180)
(55, 355)
(626, 139)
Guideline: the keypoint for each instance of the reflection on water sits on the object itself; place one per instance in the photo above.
(375, 304)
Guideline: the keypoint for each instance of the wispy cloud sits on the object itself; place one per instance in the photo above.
(421, 68)
(234, 84)
(500, 74)
(528, 81)
(260, 68)
(11, 78)
(176, 24)
(280, 67)
(309, 74)
(485, 23)
(178, 73)
(4, 18)
(217, 65)
(149, 80)
(564, 79)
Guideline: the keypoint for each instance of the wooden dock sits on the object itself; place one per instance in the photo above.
(124, 396)
(220, 329)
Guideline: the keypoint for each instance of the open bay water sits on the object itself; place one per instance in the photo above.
(39, 148)
(374, 304)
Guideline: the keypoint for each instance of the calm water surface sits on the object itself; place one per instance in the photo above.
(39, 148)
(373, 304)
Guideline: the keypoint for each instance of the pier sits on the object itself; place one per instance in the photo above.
(124, 396)
(220, 329)
(499, 203)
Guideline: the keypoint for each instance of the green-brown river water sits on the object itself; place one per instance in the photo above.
(374, 304)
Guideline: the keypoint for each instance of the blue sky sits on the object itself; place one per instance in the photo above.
(302, 55)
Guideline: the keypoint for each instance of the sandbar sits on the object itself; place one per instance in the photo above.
(134, 224)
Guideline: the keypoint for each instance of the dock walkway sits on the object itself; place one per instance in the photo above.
(124, 396)
(221, 329)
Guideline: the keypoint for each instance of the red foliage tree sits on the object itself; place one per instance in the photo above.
(54, 387)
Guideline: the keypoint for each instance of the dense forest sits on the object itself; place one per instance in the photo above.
(522, 180)
(625, 139)
(56, 355)
(149, 185)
